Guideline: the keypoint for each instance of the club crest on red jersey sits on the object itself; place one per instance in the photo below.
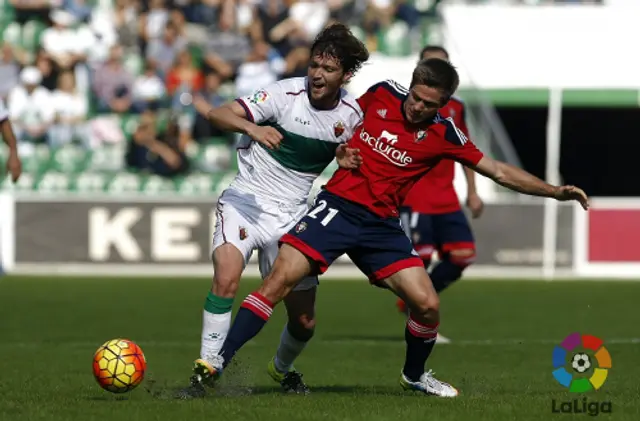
(338, 128)
(301, 227)
(420, 136)
(242, 233)
(452, 112)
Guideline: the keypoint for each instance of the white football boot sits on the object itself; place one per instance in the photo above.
(429, 385)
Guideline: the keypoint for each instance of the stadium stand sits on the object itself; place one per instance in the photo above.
(126, 60)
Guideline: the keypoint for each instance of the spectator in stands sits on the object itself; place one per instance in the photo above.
(183, 78)
(309, 16)
(152, 22)
(65, 45)
(148, 89)
(30, 107)
(47, 69)
(381, 13)
(263, 66)
(176, 17)
(228, 44)
(272, 25)
(78, 8)
(202, 128)
(164, 51)
(71, 109)
(9, 70)
(343, 10)
(100, 35)
(27, 10)
(113, 84)
(406, 12)
(123, 21)
(159, 155)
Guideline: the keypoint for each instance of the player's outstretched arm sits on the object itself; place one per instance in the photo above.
(521, 181)
(232, 117)
(14, 166)
(474, 202)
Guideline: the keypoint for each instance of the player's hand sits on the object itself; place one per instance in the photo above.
(475, 205)
(348, 158)
(266, 135)
(565, 193)
(14, 166)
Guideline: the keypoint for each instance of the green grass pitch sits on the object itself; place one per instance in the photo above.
(501, 358)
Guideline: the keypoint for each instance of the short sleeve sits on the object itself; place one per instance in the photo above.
(4, 111)
(457, 145)
(264, 104)
(367, 98)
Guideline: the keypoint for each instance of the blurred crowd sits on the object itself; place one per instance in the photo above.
(70, 68)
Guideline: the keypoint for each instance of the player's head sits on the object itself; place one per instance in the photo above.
(336, 55)
(432, 84)
(434, 51)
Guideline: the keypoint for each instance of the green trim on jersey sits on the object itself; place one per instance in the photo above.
(301, 153)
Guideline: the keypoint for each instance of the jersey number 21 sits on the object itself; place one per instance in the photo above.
(322, 205)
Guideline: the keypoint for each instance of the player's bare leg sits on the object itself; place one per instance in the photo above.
(426, 262)
(415, 288)
(228, 264)
(295, 336)
(288, 269)
(447, 271)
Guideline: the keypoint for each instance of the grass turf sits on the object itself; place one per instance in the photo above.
(503, 332)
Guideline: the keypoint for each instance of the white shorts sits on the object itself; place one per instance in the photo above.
(250, 224)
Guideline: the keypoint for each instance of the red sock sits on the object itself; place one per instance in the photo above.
(259, 305)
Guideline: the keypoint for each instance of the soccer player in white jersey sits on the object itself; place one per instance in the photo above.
(14, 167)
(292, 130)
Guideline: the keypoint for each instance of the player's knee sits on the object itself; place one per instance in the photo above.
(225, 285)
(302, 326)
(228, 264)
(426, 307)
(461, 257)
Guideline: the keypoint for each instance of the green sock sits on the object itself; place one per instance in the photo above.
(217, 305)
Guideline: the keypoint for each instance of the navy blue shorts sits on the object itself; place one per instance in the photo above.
(335, 226)
(437, 232)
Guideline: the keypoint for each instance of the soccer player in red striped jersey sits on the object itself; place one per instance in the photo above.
(432, 215)
(402, 137)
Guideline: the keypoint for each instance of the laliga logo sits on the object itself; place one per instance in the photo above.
(384, 146)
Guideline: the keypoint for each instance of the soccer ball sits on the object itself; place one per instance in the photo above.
(119, 365)
(581, 362)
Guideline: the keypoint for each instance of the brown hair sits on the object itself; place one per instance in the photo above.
(438, 74)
